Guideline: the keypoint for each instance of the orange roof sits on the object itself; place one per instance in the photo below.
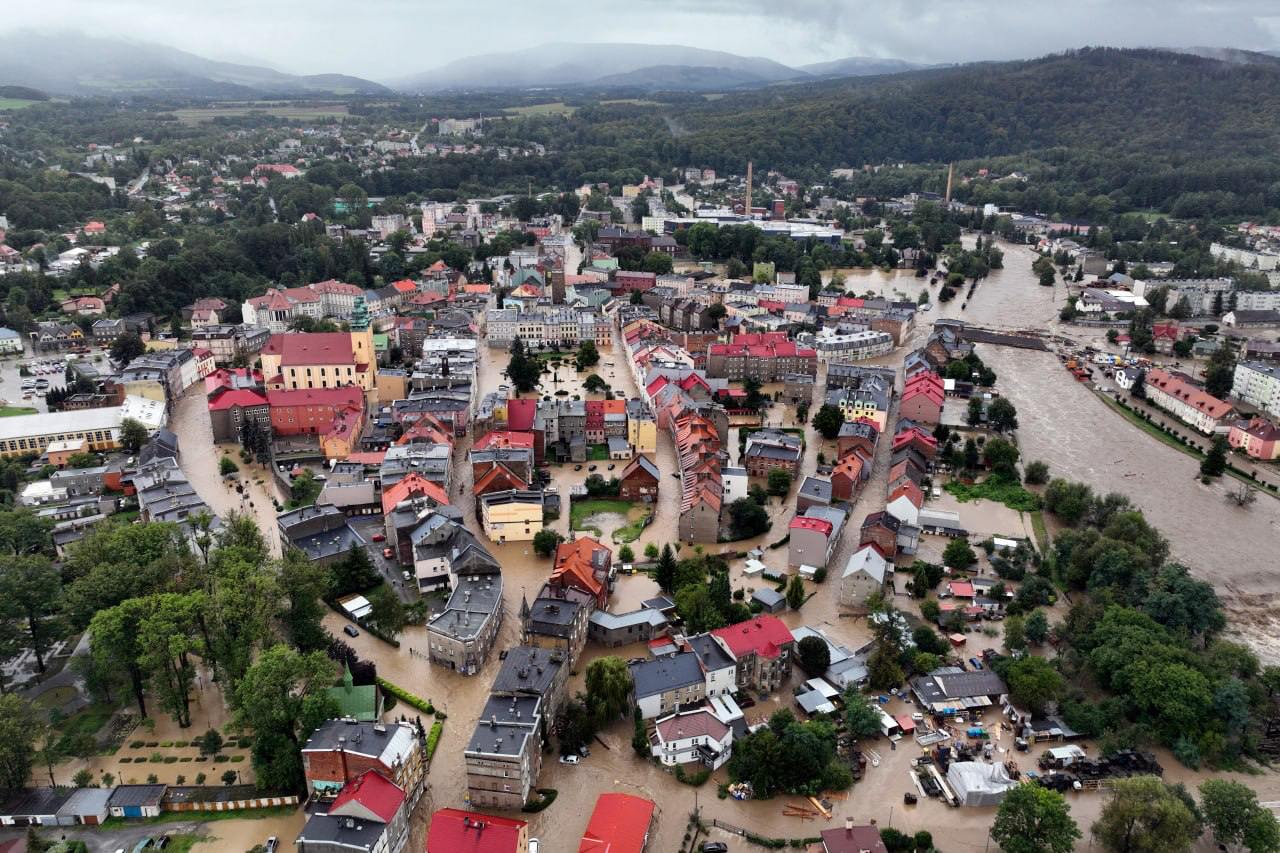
(413, 485)
(574, 565)
(404, 286)
(498, 478)
(619, 824)
(1200, 400)
(912, 492)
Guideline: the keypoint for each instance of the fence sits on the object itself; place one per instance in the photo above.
(230, 805)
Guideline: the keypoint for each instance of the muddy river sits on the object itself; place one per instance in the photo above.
(1062, 423)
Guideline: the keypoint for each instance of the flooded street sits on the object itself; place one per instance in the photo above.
(1061, 422)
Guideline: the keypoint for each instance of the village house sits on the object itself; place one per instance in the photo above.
(369, 815)
(763, 648)
(687, 737)
(922, 399)
(1188, 403)
(864, 575)
(458, 831)
(1257, 438)
(620, 823)
(665, 684)
(341, 750)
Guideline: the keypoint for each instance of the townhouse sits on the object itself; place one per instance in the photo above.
(1185, 401)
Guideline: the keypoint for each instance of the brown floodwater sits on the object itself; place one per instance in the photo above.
(1061, 422)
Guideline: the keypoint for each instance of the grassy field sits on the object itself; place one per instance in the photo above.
(582, 510)
(17, 103)
(997, 489)
(197, 115)
(635, 102)
(1041, 532)
(555, 108)
(11, 411)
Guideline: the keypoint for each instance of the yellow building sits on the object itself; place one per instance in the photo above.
(31, 435)
(300, 360)
(642, 435)
(392, 385)
(511, 515)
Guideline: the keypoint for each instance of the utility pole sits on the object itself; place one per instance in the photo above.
(951, 171)
(747, 205)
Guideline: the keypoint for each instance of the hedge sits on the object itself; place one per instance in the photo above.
(546, 796)
(405, 696)
(433, 738)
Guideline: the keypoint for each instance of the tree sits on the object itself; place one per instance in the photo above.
(795, 592)
(126, 348)
(1037, 627)
(304, 490)
(1015, 633)
(282, 698)
(210, 743)
(608, 684)
(1002, 416)
(883, 670)
(386, 610)
(19, 728)
(958, 554)
(828, 420)
(595, 385)
(697, 608)
(779, 482)
(1215, 461)
(304, 584)
(665, 574)
(747, 518)
(860, 715)
(522, 369)
(1145, 816)
(167, 638)
(1036, 473)
(133, 435)
(1033, 819)
(1001, 457)
(1232, 811)
(31, 592)
(973, 416)
(1034, 683)
(1219, 373)
(813, 655)
(626, 555)
(1068, 500)
(115, 644)
(545, 542)
(353, 573)
(651, 551)
(227, 466)
(588, 355)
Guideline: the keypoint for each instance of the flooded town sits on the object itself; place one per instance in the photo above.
(396, 469)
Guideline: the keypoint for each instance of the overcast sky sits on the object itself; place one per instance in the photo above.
(384, 39)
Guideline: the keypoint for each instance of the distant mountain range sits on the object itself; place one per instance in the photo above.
(641, 66)
(74, 64)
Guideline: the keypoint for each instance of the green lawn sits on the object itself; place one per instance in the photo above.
(1041, 532)
(580, 511)
(632, 531)
(998, 489)
(200, 817)
(17, 103)
(598, 453)
(11, 411)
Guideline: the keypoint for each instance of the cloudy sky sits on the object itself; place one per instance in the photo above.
(384, 39)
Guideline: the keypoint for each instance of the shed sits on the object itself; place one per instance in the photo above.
(136, 800)
(87, 806)
(905, 723)
(821, 686)
(753, 567)
(813, 702)
(33, 807)
(770, 600)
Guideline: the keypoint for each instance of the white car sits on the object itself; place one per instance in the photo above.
(533, 845)
(570, 759)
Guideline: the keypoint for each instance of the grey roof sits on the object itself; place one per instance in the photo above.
(646, 464)
(553, 611)
(661, 603)
(333, 831)
(86, 801)
(817, 489)
(511, 709)
(528, 670)
(472, 603)
(616, 621)
(136, 795)
(952, 683)
(490, 738)
(361, 738)
(768, 597)
(710, 654)
(36, 801)
(655, 676)
(772, 451)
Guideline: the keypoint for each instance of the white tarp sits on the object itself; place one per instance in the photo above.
(979, 784)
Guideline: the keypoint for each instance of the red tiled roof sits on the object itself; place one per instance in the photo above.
(574, 567)
(912, 492)
(804, 522)
(700, 723)
(498, 478)
(344, 397)
(404, 285)
(377, 794)
(242, 397)
(413, 485)
(619, 824)
(499, 438)
(961, 589)
(1180, 389)
(458, 831)
(520, 415)
(764, 635)
(303, 348)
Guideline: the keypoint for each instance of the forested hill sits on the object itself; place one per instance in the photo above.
(1102, 99)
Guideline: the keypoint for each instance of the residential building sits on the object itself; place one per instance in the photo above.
(622, 629)
(343, 749)
(369, 815)
(698, 447)
(1258, 438)
(1185, 401)
(814, 536)
(852, 839)
(1242, 318)
(504, 755)
(719, 669)
(557, 620)
(665, 684)
(688, 737)
(586, 565)
(639, 481)
(620, 823)
(461, 635)
(763, 356)
(864, 576)
(763, 649)
(1257, 384)
(458, 831)
(512, 515)
(322, 532)
(922, 398)
(772, 450)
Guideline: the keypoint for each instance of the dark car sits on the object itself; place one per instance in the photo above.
(350, 631)
(715, 847)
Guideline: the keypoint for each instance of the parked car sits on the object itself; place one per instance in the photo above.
(350, 631)
(592, 467)
(533, 845)
(142, 845)
(570, 759)
(272, 844)
(388, 553)
(612, 466)
(715, 847)
(378, 537)
(164, 841)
